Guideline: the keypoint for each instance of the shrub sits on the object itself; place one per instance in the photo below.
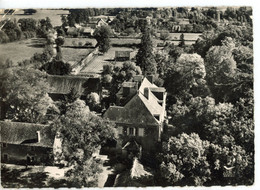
(3, 37)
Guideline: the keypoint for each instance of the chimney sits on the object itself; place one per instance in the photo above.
(39, 136)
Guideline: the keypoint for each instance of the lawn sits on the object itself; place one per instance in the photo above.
(54, 15)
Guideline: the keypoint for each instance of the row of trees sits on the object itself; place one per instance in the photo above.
(24, 28)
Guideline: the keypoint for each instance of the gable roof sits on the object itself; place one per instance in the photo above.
(140, 108)
(134, 112)
(64, 84)
(146, 84)
(26, 133)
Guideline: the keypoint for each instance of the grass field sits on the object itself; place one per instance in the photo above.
(24, 49)
(54, 15)
(74, 55)
(72, 41)
(19, 51)
(96, 66)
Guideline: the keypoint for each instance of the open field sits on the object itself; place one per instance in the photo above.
(20, 50)
(96, 65)
(24, 49)
(54, 15)
(187, 36)
(72, 41)
(74, 55)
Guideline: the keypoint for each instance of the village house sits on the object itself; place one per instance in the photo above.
(122, 55)
(96, 22)
(139, 116)
(26, 143)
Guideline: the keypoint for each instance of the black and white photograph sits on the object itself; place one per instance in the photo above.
(123, 96)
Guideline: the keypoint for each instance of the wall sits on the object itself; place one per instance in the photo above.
(17, 154)
(148, 141)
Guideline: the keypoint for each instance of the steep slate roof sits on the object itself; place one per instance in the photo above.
(26, 133)
(151, 104)
(139, 109)
(146, 84)
(134, 112)
(64, 84)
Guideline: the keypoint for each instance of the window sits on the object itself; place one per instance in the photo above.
(32, 148)
(141, 132)
(131, 131)
(4, 145)
(120, 130)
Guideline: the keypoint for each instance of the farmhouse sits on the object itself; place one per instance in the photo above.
(140, 117)
(122, 55)
(26, 143)
(62, 85)
(96, 22)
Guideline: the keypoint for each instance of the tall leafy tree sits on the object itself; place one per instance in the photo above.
(186, 77)
(82, 133)
(182, 41)
(102, 35)
(145, 55)
(184, 160)
(24, 93)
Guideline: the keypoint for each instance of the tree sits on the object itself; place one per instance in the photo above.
(184, 160)
(93, 101)
(82, 133)
(12, 30)
(182, 41)
(57, 67)
(164, 35)
(29, 11)
(145, 57)
(232, 150)
(130, 31)
(44, 27)
(102, 35)
(27, 24)
(186, 77)
(24, 93)
(223, 75)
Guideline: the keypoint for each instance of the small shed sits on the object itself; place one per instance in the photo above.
(122, 55)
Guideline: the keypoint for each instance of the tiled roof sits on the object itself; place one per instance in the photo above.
(26, 133)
